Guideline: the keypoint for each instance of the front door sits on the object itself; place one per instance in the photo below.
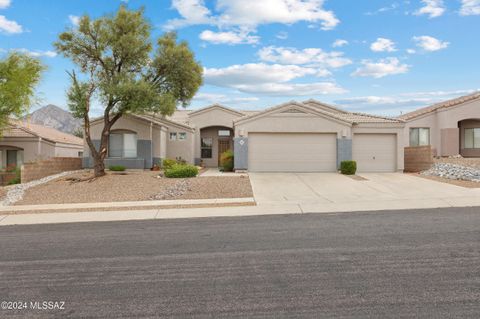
(223, 146)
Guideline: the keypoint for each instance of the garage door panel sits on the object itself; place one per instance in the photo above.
(292, 152)
(375, 152)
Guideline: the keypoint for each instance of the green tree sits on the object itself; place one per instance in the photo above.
(123, 71)
(19, 75)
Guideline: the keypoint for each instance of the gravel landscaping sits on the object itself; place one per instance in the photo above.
(135, 186)
(458, 160)
(466, 176)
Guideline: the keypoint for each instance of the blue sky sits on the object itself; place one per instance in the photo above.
(378, 56)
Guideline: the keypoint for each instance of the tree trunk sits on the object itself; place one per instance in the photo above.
(99, 167)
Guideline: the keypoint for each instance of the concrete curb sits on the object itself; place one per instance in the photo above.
(124, 205)
(237, 211)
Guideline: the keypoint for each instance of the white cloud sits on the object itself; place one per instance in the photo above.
(229, 37)
(309, 56)
(393, 6)
(411, 51)
(293, 89)
(339, 43)
(268, 79)
(75, 20)
(282, 35)
(254, 73)
(383, 45)
(222, 98)
(9, 26)
(383, 67)
(251, 13)
(432, 8)
(470, 7)
(37, 53)
(430, 44)
(254, 12)
(4, 4)
(399, 103)
(192, 11)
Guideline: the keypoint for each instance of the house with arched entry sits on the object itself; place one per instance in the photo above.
(451, 127)
(308, 136)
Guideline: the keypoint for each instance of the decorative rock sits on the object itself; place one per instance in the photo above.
(453, 171)
(16, 193)
(180, 188)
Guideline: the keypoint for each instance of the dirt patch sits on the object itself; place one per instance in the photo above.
(468, 162)
(466, 184)
(3, 192)
(134, 186)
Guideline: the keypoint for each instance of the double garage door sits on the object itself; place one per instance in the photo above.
(292, 152)
(317, 152)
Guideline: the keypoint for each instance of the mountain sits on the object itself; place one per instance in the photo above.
(56, 117)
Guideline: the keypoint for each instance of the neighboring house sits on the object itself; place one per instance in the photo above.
(292, 137)
(451, 127)
(26, 142)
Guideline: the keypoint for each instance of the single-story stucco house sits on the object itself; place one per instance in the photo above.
(23, 142)
(451, 127)
(305, 136)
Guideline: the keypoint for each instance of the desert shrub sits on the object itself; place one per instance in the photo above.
(226, 161)
(348, 167)
(116, 168)
(17, 179)
(168, 163)
(181, 171)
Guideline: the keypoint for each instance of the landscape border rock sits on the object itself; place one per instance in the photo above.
(16, 192)
(453, 171)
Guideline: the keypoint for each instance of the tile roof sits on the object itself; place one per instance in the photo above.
(353, 117)
(441, 105)
(48, 133)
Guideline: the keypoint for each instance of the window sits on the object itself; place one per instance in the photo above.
(419, 136)
(472, 138)
(122, 145)
(173, 136)
(182, 136)
(207, 143)
(80, 154)
(223, 132)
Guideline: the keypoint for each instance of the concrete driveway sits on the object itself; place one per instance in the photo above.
(336, 192)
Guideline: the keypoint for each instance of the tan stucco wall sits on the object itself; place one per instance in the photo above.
(442, 119)
(293, 122)
(31, 148)
(67, 150)
(142, 128)
(180, 148)
(396, 129)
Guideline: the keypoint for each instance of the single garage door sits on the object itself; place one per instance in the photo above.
(292, 152)
(375, 152)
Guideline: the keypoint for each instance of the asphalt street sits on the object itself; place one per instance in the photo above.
(422, 264)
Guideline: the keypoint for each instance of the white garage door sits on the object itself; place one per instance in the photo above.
(375, 152)
(292, 152)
